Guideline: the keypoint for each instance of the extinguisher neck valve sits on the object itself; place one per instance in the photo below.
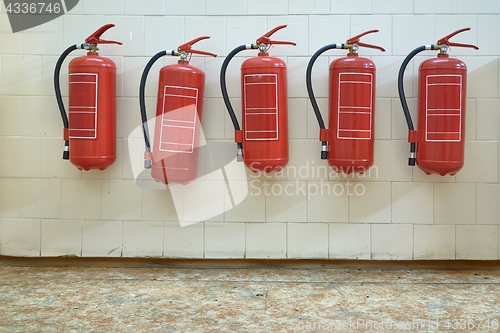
(443, 48)
(183, 57)
(93, 48)
(353, 48)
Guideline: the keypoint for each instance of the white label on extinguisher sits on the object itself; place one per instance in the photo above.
(178, 120)
(355, 109)
(261, 106)
(443, 109)
(83, 88)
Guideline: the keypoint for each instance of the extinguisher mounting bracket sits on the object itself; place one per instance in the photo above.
(186, 47)
(444, 43)
(95, 38)
(354, 43)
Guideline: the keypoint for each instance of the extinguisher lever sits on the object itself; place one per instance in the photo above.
(265, 37)
(446, 40)
(355, 41)
(95, 38)
(186, 47)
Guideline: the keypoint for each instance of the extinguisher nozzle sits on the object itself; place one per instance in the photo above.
(413, 158)
(147, 164)
(66, 150)
(324, 150)
(239, 152)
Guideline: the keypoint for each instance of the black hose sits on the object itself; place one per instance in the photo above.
(142, 99)
(223, 88)
(309, 82)
(402, 98)
(57, 89)
(312, 98)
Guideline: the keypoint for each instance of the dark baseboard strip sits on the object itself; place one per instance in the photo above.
(251, 263)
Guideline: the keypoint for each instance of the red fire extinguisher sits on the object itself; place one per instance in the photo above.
(262, 141)
(178, 116)
(349, 141)
(438, 145)
(90, 131)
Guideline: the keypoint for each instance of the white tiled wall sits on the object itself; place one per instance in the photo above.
(49, 208)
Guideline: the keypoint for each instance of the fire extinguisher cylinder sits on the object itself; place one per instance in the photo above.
(349, 142)
(437, 146)
(92, 101)
(262, 141)
(174, 156)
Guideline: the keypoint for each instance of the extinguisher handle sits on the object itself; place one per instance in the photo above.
(371, 46)
(463, 45)
(279, 42)
(102, 41)
(446, 40)
(95, 38)
(202, 53)
(186, 47)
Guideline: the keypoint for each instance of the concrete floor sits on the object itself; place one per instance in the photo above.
(157, 299)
